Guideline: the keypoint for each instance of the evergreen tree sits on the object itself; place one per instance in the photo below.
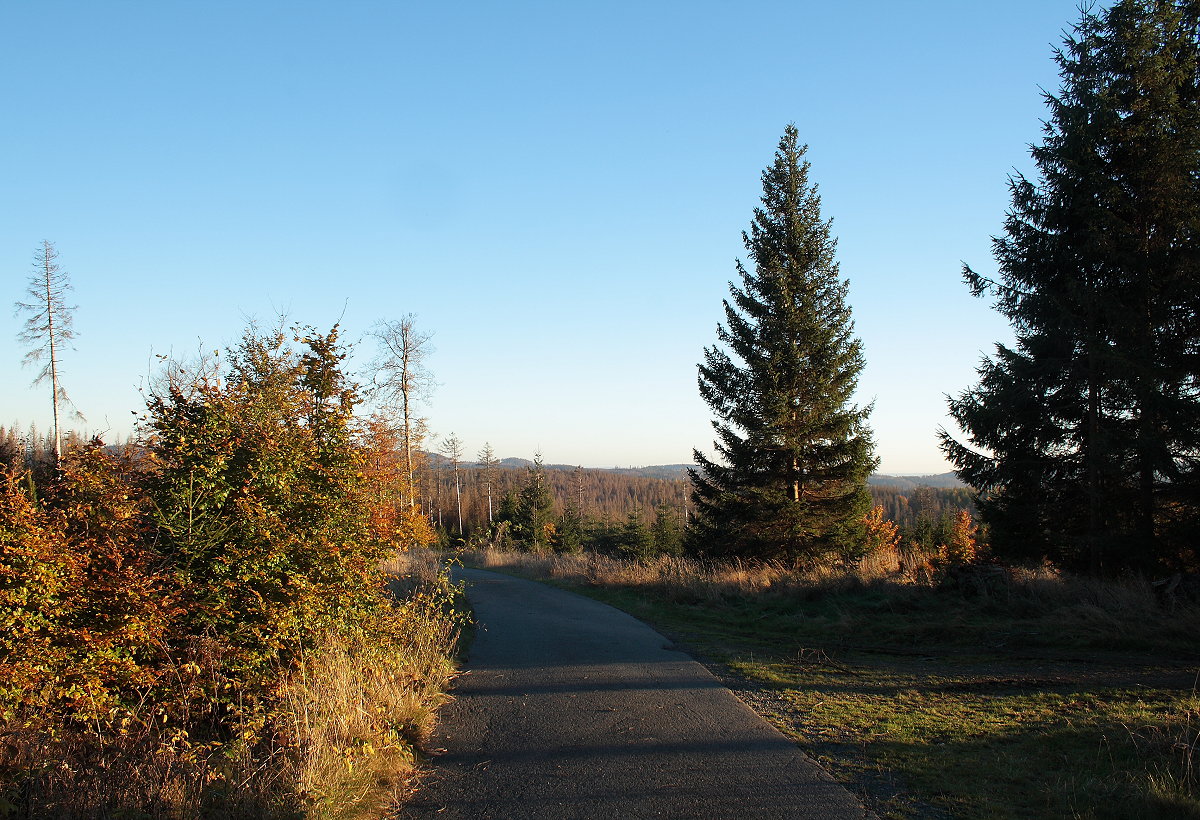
(667, 530)
(793, 452)
(509, 510)
(535, 508)
(1084, 436)
(570, 529)
(637, 541)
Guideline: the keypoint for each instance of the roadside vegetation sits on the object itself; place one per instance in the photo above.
(950, 690)
(220, 619)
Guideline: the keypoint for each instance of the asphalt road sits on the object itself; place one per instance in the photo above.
(572, 709)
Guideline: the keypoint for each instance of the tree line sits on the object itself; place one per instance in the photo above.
(595, 492)
(625, 514)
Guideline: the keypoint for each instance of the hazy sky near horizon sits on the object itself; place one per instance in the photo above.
(556, 190)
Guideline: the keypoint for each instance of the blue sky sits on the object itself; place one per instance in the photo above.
(556, 190)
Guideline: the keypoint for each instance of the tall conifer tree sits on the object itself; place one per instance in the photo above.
(1084, 436)
(793, 452)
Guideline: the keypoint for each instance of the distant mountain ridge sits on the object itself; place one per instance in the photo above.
(670, 472)
(911, 482)
(666, 472)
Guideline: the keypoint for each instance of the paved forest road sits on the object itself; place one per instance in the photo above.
(572, 709)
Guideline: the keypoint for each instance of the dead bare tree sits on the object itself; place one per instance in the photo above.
(488, 461)
(400, 382)
(48, 328)
(452, 448)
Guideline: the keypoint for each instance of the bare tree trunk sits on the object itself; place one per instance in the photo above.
(400, 379)
(47, 261)
(407, 415)
(48, 325)
(452, 447)
(458, 497)
(487, 458)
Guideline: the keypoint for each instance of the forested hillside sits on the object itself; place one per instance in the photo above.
(923, 513)
(601, 493)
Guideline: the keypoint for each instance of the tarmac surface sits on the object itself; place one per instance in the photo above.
(569, 708)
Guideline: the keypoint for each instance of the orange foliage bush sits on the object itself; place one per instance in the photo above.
(392, 521)
(962, 547)
(883, 536)
(85, 610)
(152, 608)
(39, 572)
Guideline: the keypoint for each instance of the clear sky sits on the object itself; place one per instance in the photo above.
(556, 189)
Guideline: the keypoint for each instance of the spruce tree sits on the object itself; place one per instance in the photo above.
(1083, 437)
(637, 541)
(535, 508)
(667, 530)
(793, 451)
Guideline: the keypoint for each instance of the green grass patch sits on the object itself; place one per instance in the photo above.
(988, 738)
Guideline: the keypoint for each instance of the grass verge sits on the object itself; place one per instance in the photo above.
(363, 704)
(997, 694)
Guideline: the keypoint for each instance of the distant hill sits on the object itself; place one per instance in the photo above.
(911, 482)
(667, 472)
(664, 471)
(670, 472)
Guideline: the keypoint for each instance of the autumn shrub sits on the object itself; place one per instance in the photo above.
(961, 547)
(183, 626)
(881, 555)
(253, 484)
(85, 607)
(391, 518)
(83, 654)
(38, 574)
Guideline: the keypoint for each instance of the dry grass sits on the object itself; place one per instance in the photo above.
(886, 596)
(680, 579)
(151, 772)
(363, 705)
(1172, 751)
